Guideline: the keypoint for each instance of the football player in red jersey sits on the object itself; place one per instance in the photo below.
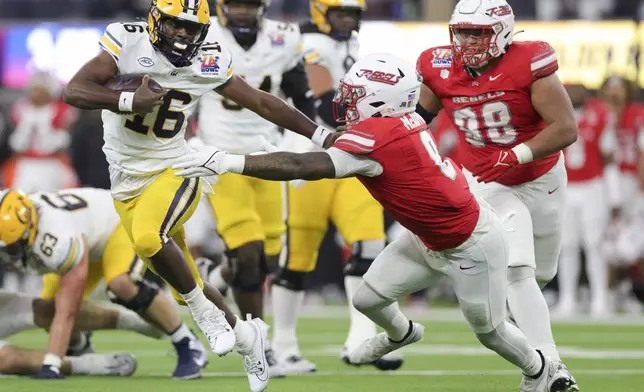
(591, 171)
(515, 118)
(389, 149)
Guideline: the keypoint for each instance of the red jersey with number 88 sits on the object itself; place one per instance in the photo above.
(424, 193)
(494, 111)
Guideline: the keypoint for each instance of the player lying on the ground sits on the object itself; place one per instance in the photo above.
(25, 362)
(75, 238)
(389, 149)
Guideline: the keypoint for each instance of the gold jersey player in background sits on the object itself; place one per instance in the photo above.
(176, 48)
(330, 46)
(249, 212)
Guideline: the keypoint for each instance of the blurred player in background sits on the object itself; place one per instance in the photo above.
(450, 232)
(75, 238)
(515, 118)
(144, 133)
(39, 141)
(592, 197)
(618, 93)
(249, 212)
(330, 49)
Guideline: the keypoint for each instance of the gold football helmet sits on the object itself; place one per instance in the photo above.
(167, 18)
(246, 23)
(320, 17)
(18, 226)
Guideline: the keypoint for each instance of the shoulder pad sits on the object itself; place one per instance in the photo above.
(56, 252)
(368, 136)
(117, 35)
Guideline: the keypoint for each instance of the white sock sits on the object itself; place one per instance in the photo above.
(510, 343)
(361, 327)
(181, 333)
(286, 307)
(197, 301)
(530, 312)
(568, 275)
(130, 321)
(597, 270)
(216, 279)
(244, 336)
(391, 319)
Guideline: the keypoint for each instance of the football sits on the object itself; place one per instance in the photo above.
(130, 82)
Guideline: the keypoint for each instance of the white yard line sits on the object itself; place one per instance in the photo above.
(432, 373)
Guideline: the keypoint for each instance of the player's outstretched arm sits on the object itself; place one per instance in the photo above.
(550, 100)
(274, 110)
(68, 300)
(286, 166)
(86, 89)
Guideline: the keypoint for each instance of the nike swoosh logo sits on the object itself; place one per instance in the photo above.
(466, 268)
(553, 191)
(493, 78)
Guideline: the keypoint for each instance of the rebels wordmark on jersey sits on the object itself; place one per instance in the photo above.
(424, 193)
(494, 111)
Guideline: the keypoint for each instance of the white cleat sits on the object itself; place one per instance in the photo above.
(380, 345)
(218, 331)
(392, 361)
(255, 362)
(123, 364)
(554, 378)
(275, 366)
(295, 364)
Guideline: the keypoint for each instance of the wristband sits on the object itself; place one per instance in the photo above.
(126, 102)
(52, 360)
(523, 153)
(234, 163)
(320, 135)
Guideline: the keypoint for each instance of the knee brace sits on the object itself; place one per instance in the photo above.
(362, 255)
(517, 274)
(292, 280)
(248, 263)
(141, 301)
(147, 244)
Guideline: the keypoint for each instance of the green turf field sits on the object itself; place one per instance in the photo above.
(604, 357)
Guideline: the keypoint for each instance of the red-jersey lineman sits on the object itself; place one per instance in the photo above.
(515, 118)
(389, 149)
(593, 193)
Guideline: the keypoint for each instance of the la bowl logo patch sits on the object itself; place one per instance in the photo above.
(210, 64)
(277, 40)
(442, 58)
(145, 61)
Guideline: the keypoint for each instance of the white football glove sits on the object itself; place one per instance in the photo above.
(204, 162)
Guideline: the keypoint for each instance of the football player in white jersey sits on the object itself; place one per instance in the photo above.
(73, 238)
(330, 46)
(248, 210)
(178, 50)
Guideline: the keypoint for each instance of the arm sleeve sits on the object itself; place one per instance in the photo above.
(325, 109)
(112, 40)
(347, 164)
